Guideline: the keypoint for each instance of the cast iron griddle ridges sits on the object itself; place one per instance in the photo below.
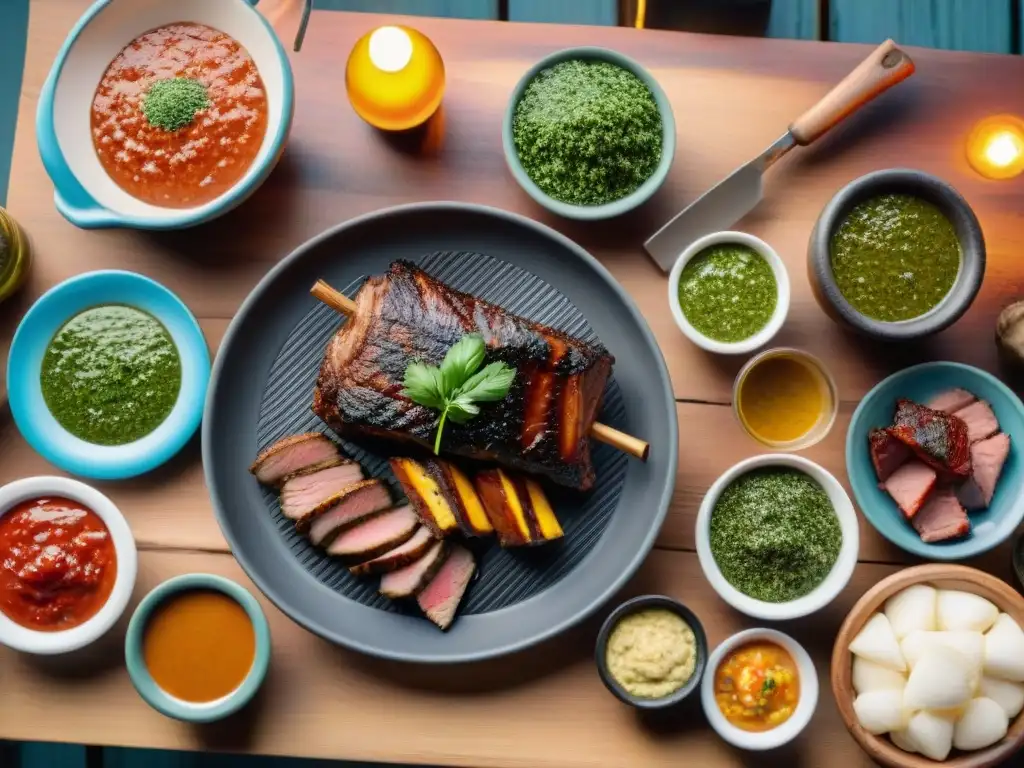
(506, 577)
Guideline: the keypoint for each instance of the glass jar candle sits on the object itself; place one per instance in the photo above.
(395, 78)
(14, 255)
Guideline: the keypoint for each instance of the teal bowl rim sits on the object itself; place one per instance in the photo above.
(616, 207)
(152, 693)
(79, 207)
(954, 551)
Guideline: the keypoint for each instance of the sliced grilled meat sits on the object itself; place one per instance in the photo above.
(987, 460)
(304, 493)
(910, 485)
(941, 518)
(981, 422)
(410, 580)
(400, 556)
(344, 509)
(291, 454)
(462, 498)
(951, 400)
(314, 468)
(939, 439)
(426, 495)
(542, 426)
(376, 535)
(440, 599)
(887, 453)
(518, 509)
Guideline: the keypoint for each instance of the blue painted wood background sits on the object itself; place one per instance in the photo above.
(973, 25)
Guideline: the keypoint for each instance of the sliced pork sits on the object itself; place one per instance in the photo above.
(410, 580)
(441, 597)
(345, 509)
(399, 557)
(313, 468)
(981, 422)
(951, 400)
(887, 453)
(987, 460)
(304, 493)
(375, 536)
(938, 439)
(910, 485)
(942, 518)
(291, 454)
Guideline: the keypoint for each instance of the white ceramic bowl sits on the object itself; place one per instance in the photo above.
(781, 734)
(837, 578)
(83, 192)
(774, 323)
(48, 643)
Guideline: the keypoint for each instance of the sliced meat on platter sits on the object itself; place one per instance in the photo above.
(887, 453)
(343, 510)
(440, 599)
(292, 454)
(399, 557)
(542, 426)
(910, 485)
(304, 492)
(987, 460)
(517, 508)
(375, 536)
(413, 578)
(939, 439)
(942, 517)
(981, 422)
(951, 400)
(928, 474)
(433, 502)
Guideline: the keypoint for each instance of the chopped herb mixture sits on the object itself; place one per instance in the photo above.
(587, 132)
(172, 104)
(774, 534)
(111, 375)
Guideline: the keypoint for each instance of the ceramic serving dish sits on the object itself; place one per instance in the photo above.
(837, 578)
(32, 641)
(616, 207)
(172, 706)
(780, 734)
(83, 192)
(926, 187)
(774, 323)
(37, 328)
(642, 603)
(943, 576)
(919, 383)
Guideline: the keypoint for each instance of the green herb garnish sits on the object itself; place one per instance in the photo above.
(456, 386)
(172, 104)
(587, 132)
(768, 685)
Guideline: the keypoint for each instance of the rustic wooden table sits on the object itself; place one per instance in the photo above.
(546, 707)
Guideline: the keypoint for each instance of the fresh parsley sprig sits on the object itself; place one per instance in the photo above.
(456, 386)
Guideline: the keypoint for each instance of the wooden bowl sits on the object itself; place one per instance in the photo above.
(943, 576)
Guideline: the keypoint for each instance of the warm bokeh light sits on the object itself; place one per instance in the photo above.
(995, 148)
(395, 78)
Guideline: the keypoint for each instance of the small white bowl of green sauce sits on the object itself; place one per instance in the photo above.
(729, 292)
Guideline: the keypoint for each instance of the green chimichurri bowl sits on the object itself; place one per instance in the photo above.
(896, 255)
(107, 375)
(588, 133)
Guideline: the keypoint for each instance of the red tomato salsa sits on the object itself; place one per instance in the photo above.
(57, 564)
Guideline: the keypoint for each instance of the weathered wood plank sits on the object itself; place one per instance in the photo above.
(962, 25)
(458, 9)
(799, 19)
(604, 12)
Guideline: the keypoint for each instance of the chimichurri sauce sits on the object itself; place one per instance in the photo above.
(111, 375)
(728, 292)
(895, 257)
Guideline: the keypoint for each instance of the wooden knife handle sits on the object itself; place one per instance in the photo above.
(882, 69)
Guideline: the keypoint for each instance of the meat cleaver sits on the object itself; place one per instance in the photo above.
(732, 199)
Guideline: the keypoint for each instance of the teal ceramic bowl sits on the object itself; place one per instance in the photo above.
(174, 707)
(990, 527)
(617, 207)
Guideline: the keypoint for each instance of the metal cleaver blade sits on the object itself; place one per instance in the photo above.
(719, 208)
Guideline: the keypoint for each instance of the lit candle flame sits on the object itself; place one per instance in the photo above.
(390, 49)
(1002, 149)
(995, 148)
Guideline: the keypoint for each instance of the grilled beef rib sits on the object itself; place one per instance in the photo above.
(542, 426)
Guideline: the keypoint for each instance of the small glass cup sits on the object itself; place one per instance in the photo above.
(829, 394)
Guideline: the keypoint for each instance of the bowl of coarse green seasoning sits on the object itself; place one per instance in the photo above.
(777, 537)
(589, 133)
